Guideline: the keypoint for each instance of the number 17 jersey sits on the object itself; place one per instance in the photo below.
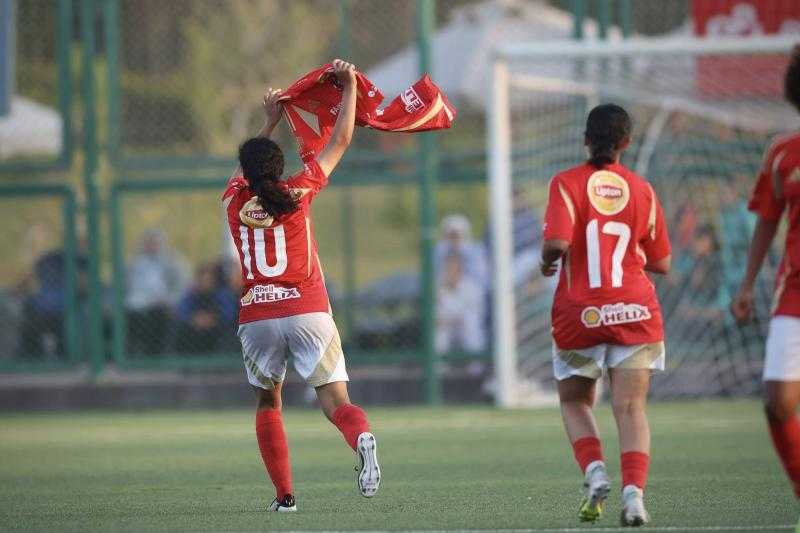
(614, 224)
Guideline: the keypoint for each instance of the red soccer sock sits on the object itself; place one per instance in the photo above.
(786, 438)
(274, 449)
(587, 450)
(634, 469)
(351, 421)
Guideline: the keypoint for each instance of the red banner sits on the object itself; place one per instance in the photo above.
(743, 76)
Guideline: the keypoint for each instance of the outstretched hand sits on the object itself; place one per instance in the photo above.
(273, 108)
(345, 72)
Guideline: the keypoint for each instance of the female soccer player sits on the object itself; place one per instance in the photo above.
(606, 226)
(777, 192)
(284, 306)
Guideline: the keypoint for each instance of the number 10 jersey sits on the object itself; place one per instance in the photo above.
(281, 272)
(614, 225)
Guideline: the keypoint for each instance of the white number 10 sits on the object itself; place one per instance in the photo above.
(621, 230)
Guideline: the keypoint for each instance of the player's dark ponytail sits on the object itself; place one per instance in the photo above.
(607, 126)
(791, 82)
(262, 165)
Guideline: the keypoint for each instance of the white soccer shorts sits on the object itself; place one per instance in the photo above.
(782, 361)
(312, 340)
(592, 362)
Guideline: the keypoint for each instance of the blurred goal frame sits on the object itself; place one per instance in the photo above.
(509, 386)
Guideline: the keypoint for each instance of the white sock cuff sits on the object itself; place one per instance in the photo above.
(594, 464)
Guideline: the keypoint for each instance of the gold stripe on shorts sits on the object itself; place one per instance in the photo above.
(263, 380)
(643, 357)
(327, 364)
(584, 365)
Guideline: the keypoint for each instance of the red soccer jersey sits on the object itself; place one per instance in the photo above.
(614, 224)
(280, 267)
(778, 191)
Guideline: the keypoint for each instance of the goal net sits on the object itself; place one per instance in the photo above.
(704, 111)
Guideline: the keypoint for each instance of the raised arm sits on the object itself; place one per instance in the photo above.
(343, 129)
(763, 234)
(273, 110)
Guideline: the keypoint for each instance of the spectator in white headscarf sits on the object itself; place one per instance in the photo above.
(457, 240)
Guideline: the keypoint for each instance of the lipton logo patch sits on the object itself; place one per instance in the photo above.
(253, 215)
(608, 192)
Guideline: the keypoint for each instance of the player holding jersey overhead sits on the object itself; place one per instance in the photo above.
(284, 306)
(606, 226)
(777, 193)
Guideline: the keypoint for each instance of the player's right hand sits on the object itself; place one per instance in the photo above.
(344, 71)
(742, 306)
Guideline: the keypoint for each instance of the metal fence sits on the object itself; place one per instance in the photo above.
(144, 103)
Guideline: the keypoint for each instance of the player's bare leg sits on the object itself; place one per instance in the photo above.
(577, 396)
(780, 405)
(629, 389)
(352, 422)
(274, 447)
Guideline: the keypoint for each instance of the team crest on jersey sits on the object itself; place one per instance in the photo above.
(253, 215)
(608, 192)
(267, 294)
(614, 314)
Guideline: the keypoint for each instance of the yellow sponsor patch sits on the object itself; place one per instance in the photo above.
(253, 215)
(608, 192)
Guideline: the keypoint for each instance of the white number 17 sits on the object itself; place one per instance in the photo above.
(621, 230)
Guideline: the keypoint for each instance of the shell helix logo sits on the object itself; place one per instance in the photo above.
(608, 192)
(614, 314)
(267, 294)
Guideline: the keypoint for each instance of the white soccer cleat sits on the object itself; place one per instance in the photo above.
(633, 512)
(369, 473)
(285, 505)
(596, 487)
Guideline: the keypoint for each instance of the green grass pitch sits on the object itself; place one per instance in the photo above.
(445, 468)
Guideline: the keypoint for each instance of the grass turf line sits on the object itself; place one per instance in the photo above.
(444, 468)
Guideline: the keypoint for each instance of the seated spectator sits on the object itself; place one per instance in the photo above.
(42, 333)
(460, 309)
(201, 314)
(229, 283)
(155, 279)
(457, 239)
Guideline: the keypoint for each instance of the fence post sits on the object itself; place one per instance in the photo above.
(626, 17)
(70, 276)
(89, 179)
(7, 55)
(578, 16)
(111, 37)
(348, 224)
(426, 13)
(64, 55)
(119, 328)
(603, 19)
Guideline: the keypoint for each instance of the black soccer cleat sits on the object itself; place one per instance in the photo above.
(286, 505)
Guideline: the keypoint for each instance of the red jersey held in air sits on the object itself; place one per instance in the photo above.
(280, 267)
(777, 192)
(614, 224)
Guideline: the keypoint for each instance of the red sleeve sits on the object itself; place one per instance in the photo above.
(235, 184)
(764, 200)
(559, 218)
(656, 244)
(308, 182)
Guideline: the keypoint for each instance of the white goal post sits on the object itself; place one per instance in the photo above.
(670, 82)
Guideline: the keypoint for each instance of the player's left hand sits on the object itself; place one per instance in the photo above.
(273, 108)
(548, 270)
